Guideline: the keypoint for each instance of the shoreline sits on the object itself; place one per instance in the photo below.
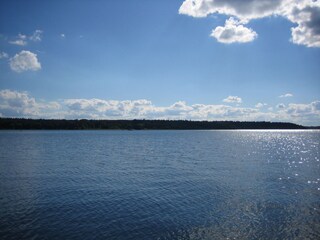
(130, 125)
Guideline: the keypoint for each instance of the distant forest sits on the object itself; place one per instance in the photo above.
(84, 124)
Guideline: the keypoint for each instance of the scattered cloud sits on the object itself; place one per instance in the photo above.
(232, 99)
(304, 13)
(18, 42)
(315, 106)
(25, 61)
(62, 35)
(260, 105)
(233, 31)
(36, 36)
(21, 104)
(22, 39)
(286, 95)
(3, 55)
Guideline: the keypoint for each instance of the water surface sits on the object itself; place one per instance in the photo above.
(159, 184)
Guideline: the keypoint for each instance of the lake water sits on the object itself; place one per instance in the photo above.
(159, 185)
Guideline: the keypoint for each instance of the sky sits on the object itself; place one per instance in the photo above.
(250, 60)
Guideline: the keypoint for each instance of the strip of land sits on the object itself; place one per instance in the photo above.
(84, 124)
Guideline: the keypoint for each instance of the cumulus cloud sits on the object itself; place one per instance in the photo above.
(260, 105)
(244, 10)
(304, 13)
(297, 109)
(3, 55)
(21, 104)
(98, 108)
(22, 39)
(25, 61)
(286, 95)
(131, 109)
(233, 32)
(306, 113)
(303, 112)
(232, 99)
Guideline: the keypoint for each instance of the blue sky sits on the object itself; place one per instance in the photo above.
(201, 60)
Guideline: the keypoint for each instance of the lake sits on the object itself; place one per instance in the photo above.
(160, 184)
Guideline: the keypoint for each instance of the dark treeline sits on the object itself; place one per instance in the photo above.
(19, 123)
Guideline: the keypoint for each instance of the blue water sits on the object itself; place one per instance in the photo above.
(159, 185)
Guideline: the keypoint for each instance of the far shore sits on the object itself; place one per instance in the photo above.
(85, 124)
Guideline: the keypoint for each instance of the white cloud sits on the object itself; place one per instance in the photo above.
(22, 39)
(286, 95)
(62, 35)
(315, 106)
(19, 42)
(233, 99)
(144, 109)
(25, 61)
(303, 112)
(22, 36)
(36, 36)
(21, 104)
(304, 13)
(298, 109)
(244, 10)
(260, 105)
(3, 55)
(233, 32)
(98, 108)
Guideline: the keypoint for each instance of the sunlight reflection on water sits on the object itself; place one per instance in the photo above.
(160, 184)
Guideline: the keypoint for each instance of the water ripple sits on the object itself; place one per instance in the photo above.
(160, 185)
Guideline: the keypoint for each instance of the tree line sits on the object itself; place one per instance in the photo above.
(62, 124)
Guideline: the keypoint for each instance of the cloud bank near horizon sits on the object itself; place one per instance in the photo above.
(22, 104)
(305, 14)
